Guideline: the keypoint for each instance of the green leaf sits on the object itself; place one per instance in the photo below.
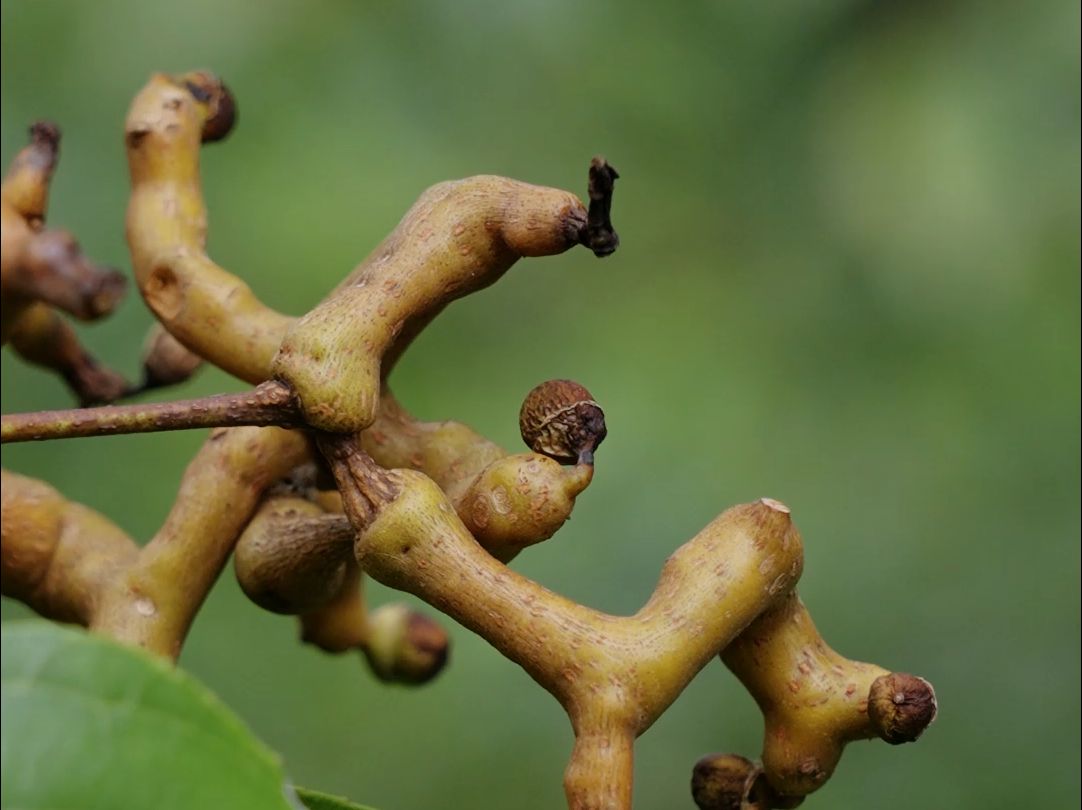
(88, 724)
(314, 800)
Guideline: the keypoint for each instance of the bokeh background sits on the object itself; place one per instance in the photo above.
(849, 279)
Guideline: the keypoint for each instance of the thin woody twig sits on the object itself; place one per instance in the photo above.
(268, 404)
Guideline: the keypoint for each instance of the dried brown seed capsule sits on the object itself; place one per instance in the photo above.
(405, 646)
(561, 420)
(901, 706)
(731, 782)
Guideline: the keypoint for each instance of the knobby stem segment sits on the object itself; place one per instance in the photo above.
(814, 700)
(42, 269)
(42, 337)
(294, 558)
(45, 265)
(613, 675)
(208, 309)
(26, 184)
(66, 561)
(57, 556)
(153, 603)
(459, 237)
(600, 773)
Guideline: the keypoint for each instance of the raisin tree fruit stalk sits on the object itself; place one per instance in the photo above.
(317, 477)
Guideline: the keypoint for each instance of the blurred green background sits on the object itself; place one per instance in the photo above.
(849, 279)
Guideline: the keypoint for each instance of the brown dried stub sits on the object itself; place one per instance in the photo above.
(901, 706)
(599, 235)
(561, 420)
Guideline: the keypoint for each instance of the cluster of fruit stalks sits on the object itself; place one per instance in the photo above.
(317, 476)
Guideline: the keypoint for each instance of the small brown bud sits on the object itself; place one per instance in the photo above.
(405, 646)
(165, 360)
(561, 420)
(901, 706)
(731, 782)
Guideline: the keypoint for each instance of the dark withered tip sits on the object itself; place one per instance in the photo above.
(601, 172)
(46, 133)
(599, 234)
